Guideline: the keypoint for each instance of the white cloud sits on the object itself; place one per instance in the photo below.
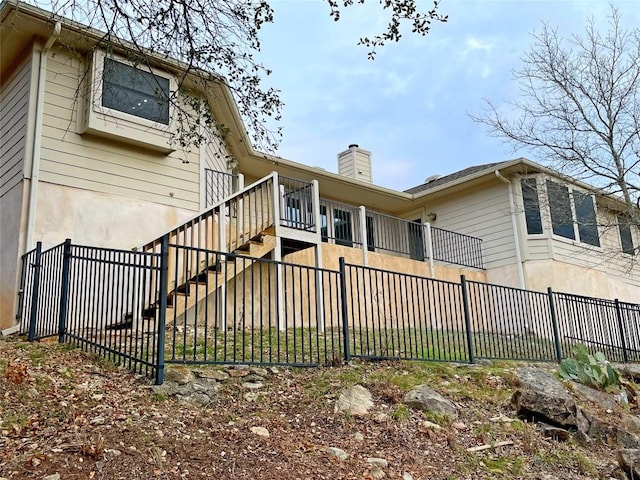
(474, 44)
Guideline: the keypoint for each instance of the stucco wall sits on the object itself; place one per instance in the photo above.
(568, 278)
(11, 224)
(100, 219)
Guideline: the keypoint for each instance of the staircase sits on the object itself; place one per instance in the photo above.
(208, 251)
(216, 271)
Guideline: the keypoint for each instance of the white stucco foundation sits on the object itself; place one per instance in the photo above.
(11, 229)
(100, 219)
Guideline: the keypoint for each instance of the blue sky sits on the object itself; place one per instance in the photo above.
(410, 106)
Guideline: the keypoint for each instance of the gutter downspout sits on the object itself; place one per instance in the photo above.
(37, 135)
(514, 226)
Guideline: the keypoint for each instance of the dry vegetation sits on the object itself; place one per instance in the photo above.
(65, 412)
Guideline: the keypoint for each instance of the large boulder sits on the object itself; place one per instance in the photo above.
(542, 396)
(629, 460)
(424, 398)
(354, 400)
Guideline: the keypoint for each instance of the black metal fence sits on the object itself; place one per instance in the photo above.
(136, 309)
(101, 299)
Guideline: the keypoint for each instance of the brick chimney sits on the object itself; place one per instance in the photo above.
(355, 163)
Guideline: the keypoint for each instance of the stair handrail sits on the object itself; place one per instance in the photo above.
(210, 211)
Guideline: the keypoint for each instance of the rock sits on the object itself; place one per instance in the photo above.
(274, 370)
(459, 426)
(218, 375)
(178, 374)
(250, 396)
(485, 362)
(540, 394)
(631, 423)
(260, 431)
(358, 437)
(377, 473)
(197, 398)
(631, 371)
(337, 453)
(262, 372)
(627, 439)
(354, 400)
(205, 385)
(377, 462)
(252, 377)
(381, 417)
(431, 425)
(602, 399)
(252, 385)
(407, 476)
(55, 476)
(424, 398)
(238, 371)
(554, 432)
(629, 460)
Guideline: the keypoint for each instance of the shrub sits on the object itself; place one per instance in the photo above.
(591, 370)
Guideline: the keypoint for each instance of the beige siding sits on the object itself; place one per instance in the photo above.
(14, 107)
(537, 248)
(106, 165)
(482, 213)
(216, 154)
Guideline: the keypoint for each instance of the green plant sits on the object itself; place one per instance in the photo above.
(591, 370)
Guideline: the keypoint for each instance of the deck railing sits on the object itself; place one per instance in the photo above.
(296, 204)
(220, 185)
(228, 225)
(345, 224)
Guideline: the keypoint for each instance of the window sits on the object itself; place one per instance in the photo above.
(563, 220)
(324, 230)
(342, 227)
(560, 207)
(586, 219)
(371, 234)
(416, 240)
(531, 205)
(626, 239)
(128, 103)
(131, 90)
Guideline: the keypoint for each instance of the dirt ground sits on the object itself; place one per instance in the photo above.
(65, 412)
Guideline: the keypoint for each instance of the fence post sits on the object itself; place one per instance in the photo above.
(64, 291)
(625, 357)
(162, 311)
(364, 235)
(554, 322)
(34, 292)
(430, 249)
(345, 310)
(467, 318)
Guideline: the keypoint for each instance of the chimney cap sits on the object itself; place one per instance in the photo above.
(354, 145)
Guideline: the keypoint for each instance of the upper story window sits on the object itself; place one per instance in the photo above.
(573, 214)
(130, 90)
(129, 103)
(626, 238)
(531, 205)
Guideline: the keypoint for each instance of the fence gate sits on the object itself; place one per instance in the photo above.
(39, 309)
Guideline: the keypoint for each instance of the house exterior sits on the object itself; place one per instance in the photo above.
(78, 162)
